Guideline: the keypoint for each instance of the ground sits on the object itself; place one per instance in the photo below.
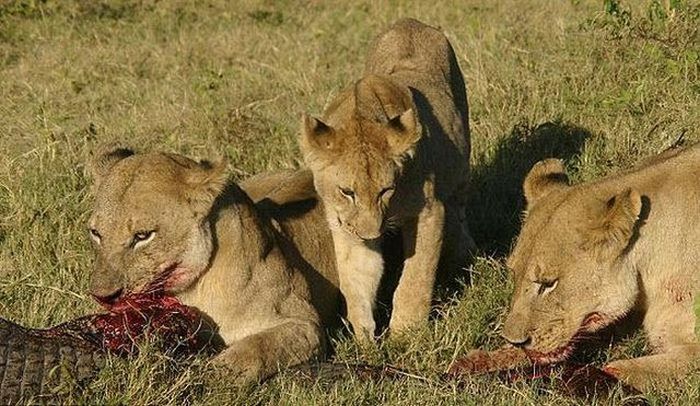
(601, 84)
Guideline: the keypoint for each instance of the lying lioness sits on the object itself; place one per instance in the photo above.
(265, 275)
(590, 254)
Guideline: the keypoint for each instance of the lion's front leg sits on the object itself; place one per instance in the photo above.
(458, 245)
(261, 355)
(360, 268)
(644, 373)
(422, 247)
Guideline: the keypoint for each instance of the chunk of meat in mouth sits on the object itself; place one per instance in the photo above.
(135, 316)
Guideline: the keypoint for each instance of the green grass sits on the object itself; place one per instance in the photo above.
(601, 89)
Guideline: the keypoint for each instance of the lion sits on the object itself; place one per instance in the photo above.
(392, 152)
(591, 254)
(264, 275)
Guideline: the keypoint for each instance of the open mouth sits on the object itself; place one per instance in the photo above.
(155, 288)
(590, 324)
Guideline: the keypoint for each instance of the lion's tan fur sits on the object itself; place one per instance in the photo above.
(392, 151)
(591, 254)
(264, 273)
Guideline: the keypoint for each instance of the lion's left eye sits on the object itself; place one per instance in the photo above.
(95, 235)
(386, 193)
(142, 237)
(348, 193)
(546, 286)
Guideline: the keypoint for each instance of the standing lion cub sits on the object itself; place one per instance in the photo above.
(392, 151)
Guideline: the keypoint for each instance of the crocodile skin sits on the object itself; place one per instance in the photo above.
(34, 366)
(42, 362)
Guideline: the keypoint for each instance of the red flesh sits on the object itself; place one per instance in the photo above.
(135, 317)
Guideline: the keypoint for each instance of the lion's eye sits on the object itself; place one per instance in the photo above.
(546, 286)
(347, 193)
(95, 235)
(142, 238)
(387, 192)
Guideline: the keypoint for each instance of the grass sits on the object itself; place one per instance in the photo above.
(602, 84)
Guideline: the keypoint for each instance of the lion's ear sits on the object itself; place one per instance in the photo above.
(316, 138)
(613, 225)
(206, 182)
(404, 133)
(544, 177)
(105, 158)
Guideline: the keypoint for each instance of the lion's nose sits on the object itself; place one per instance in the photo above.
(369, 237)
(107, 298)
(518, 341)
(515, 331)
(515, 335)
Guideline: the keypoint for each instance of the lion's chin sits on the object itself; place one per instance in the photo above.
(171, 278)
(182, 277)
(180, 280)
(595, 322)
(592, 323)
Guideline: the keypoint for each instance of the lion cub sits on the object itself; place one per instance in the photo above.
(268, 286)
(592, 253)
(392, 151)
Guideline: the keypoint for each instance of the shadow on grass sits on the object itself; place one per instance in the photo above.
(496, 200)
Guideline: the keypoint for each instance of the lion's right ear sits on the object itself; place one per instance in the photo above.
(316, 138)
(405, 134)
(613, 224)
(206, 181)
(105, 158)
(544, 177)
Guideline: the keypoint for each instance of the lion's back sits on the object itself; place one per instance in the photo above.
(421, 57)
(288, 197)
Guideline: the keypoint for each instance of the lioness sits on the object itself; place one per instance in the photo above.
(590, 254)
(268, 285)
(392, 151)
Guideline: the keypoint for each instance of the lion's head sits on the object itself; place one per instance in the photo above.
(150, 219)
(358, 162)
(569, 277)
